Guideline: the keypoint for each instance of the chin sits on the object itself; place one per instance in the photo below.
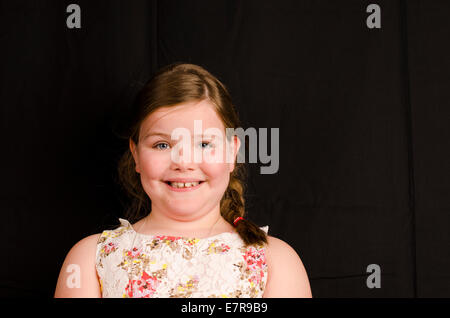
(183, 209)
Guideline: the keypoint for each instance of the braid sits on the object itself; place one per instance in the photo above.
(232, 206)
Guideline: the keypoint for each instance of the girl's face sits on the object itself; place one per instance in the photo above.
(161, 160)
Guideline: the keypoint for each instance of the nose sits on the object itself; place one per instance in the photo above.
(184, 160)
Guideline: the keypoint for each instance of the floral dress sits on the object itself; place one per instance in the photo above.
(130, 264)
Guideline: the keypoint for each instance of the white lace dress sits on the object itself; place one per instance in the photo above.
(130, 264)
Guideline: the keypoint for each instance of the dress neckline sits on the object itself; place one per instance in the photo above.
(126, 223)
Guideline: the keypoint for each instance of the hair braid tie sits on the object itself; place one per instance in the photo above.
(237, 220)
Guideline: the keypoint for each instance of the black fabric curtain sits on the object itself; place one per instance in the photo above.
(363, 117)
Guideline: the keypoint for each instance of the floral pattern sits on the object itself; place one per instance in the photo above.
(144, 287)
(134, 265)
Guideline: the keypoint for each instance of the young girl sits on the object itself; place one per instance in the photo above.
(189, 237)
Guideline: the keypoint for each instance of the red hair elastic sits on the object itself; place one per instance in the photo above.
(237, 219)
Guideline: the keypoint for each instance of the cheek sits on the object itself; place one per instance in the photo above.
(153, 165)
(217, 173)
(220, 153)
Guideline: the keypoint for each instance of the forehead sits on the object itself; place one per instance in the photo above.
(183, 115)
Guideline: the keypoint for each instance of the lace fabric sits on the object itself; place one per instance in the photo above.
(130, 264)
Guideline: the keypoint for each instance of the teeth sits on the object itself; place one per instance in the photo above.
(183, 185)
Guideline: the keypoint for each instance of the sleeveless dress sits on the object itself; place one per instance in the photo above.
(130, 264)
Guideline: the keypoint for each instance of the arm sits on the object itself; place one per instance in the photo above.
(286, 276)
(78, 276)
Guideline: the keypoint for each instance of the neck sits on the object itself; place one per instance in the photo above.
(162, 223)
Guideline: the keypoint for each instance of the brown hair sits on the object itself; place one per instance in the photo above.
(174, 84)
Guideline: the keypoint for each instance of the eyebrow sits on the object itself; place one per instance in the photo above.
(156, 134)
(168, 136)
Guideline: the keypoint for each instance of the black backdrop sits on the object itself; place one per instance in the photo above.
(363, 117)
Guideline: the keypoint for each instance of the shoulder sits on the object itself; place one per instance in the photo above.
(84, 249)
(87, 243)
(78, 276)
(287, 276)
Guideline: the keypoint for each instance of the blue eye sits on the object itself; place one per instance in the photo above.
(207, 143)
(161, 144)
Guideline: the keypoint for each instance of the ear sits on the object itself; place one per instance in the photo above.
(235, 146)
(134, 152)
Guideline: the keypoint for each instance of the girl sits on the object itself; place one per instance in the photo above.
(189, 237)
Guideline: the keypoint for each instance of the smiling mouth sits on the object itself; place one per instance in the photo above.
(183, 185)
